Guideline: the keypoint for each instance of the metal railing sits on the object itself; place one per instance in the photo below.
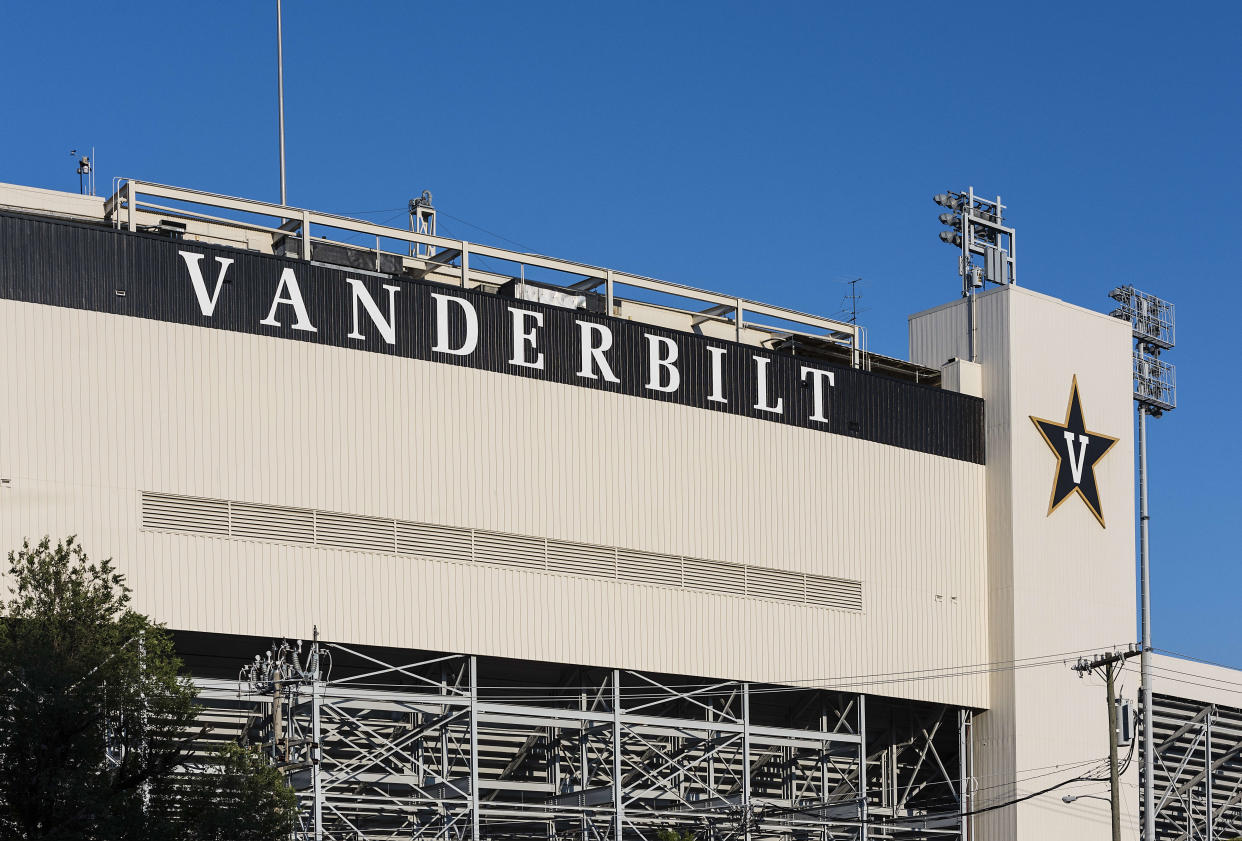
(131, 198)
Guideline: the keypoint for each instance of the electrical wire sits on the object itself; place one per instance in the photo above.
(1215, 683)
(1194, 659)
(495, 692)
(703, 689)
(485, 230)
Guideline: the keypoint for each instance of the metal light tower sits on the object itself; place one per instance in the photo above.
(976, 226)
(1155, 392)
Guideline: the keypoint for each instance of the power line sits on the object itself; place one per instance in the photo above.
(703, 690)
(486, 231)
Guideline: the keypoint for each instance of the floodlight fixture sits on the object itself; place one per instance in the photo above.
(987, 250)
(1152, 319)
(980, 232)
(1153, 328)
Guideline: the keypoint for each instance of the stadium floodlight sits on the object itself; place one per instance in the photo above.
(987, 251)
(979, 231)
(1152, 325)
(1151, 318)
(954, 221)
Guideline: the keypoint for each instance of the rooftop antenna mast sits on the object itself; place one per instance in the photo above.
(1152, 324)
(280, 99)
(422, 221)
(86, 172)
(988, 248)
(854, 296)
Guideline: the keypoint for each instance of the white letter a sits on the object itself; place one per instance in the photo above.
(287, 292)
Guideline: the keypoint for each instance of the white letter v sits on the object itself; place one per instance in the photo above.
(1076, 464)
(192, 262)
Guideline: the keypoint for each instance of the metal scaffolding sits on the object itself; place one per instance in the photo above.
(1198, 770)
(381, 744)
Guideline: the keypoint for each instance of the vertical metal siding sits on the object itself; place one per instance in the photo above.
(110, 406)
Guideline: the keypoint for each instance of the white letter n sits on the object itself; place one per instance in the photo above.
(387, 327)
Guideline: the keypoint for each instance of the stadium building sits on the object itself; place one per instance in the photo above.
(574, 553)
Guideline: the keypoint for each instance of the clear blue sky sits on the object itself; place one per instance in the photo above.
(771, 150)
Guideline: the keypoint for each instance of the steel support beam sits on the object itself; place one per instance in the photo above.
(432, 746)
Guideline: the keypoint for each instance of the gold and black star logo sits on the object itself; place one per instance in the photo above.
(1078, 450)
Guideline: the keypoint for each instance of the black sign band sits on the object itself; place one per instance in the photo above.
(148, 276)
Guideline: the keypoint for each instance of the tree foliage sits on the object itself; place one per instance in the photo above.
(246, 799)
(674, 834)
(95, 716)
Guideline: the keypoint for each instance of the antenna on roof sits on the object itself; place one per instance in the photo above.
(280, 98)
(853, 297)
(849, 302)
(422, 221)
(86, 172)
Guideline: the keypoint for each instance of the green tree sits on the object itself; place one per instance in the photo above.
(246, 799)
(96, 717)
(674, 834)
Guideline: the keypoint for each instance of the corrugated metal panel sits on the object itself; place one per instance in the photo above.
(443, 542)
(649, 568)
(91, 264)
(834, 592)
(592, 468)
(582, 559)
(185, 513)
(350, 531)
(775, 584)
(514, 550)
(273, 522)
(714, 576)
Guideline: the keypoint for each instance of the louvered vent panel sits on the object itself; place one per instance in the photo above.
(185, 513)
(716, 576)
(428, 541)
(649, 568)
(350, 531)
(582, 559)
(775, 584)
(221, 518)
(515, 550)
(273, 522)
(834, 592)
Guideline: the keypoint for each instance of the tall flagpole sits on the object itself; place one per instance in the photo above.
(280, 98)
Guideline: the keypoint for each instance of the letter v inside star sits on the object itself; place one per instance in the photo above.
(1076, 463)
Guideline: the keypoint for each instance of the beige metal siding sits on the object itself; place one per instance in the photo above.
(465, 463)
(1057, 583)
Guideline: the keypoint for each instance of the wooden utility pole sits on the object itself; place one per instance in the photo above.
(1114, 787)
(1110, 663)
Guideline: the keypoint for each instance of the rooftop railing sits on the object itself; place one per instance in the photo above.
(299, 231)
